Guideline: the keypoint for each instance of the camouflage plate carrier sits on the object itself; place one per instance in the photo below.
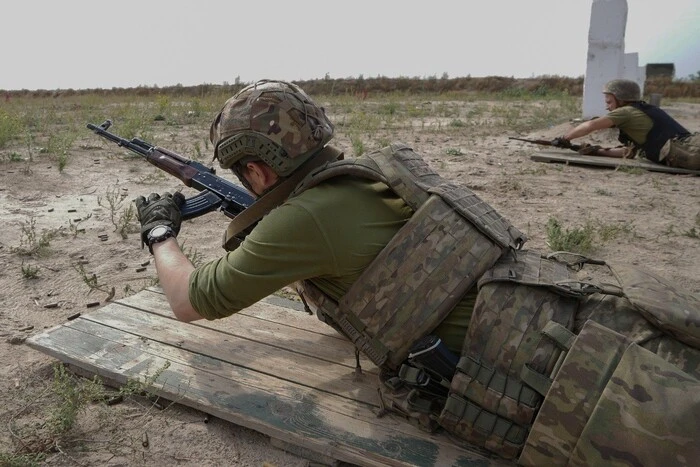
(417, 279)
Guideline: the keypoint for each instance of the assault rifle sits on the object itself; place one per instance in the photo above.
(216, 192)
(585, 149)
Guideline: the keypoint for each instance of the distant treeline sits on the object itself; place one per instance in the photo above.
(537, 86)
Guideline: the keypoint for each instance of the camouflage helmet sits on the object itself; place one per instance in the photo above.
(623, 89)
(272, 121)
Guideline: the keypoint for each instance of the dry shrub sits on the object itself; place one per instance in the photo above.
(380, 85)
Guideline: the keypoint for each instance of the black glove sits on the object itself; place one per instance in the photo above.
(561, 142)
(157, 210)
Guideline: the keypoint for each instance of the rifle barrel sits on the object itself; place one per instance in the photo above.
(536, 141)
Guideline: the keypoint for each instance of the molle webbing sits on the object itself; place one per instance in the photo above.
(416, 280)
(527, 268)
(508, 339)
(489, 429)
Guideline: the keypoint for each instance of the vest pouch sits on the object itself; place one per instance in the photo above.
(615, 403)
(650, 312)
(409, 402)
(665, 306)
(489, 404)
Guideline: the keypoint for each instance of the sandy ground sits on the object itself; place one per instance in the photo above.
(84, 262)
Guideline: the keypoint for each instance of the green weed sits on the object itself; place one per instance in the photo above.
(10, 127)
(29, 271)
(576, 240)
(52, 416)
(21, 460)
(358, 146)
(607, 232)
(122, 217)
(13, 157)
(59, 145)
(32, 243)
(631, 170)
(74, 225)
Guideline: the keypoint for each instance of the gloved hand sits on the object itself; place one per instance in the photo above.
(157, 210)
(561, 142)
(588, 149)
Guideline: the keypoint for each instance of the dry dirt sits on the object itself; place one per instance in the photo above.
(656, 217)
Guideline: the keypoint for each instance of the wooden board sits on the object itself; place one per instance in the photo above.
(272, 368)
(569, 157)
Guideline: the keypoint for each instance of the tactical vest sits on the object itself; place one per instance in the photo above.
(548, 359)
(664, 128)
(452, 238)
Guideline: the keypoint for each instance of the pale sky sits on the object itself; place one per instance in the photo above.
(78, 44)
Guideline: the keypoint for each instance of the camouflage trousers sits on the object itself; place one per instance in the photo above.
(684, 153)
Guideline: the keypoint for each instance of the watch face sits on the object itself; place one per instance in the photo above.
(158, 231)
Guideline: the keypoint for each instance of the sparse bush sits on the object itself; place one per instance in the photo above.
(121, 217)
(14, 157)
(55, 411)
(576, 240)
(10, 127)
(32, 243)
(29, 271)
(358, 146)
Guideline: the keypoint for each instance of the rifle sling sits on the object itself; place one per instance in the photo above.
(275, 197)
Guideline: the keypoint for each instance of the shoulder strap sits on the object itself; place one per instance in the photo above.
(266, 203)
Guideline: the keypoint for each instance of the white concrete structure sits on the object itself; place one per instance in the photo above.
(633, 71)
(606, 54)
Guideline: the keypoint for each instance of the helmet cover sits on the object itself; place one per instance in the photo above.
(623, 89)
(274, 121)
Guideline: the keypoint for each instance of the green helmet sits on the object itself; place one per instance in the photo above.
(623, 89)
(272, 121)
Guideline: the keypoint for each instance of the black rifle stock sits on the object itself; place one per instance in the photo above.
(216, 192)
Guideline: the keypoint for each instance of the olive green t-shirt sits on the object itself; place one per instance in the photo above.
(633, 122)
(329, 233)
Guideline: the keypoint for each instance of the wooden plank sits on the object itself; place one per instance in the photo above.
(240, 377)
(610, 162)
(273, 309)
(258, 356)
(268, 323)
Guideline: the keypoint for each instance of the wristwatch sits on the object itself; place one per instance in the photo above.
(158, 234)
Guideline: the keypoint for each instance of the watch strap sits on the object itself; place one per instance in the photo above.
(168, 233)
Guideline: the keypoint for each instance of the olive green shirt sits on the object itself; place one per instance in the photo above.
(329, 233)
(633, 122)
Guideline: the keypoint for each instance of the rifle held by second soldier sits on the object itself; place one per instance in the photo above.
(584, 149)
